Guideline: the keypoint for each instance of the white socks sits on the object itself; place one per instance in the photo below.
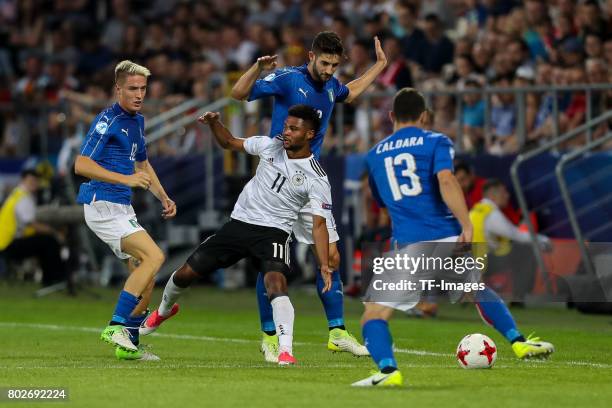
(283, 313)
(169, 298)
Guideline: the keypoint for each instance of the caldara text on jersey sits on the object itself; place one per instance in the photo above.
(399, 143)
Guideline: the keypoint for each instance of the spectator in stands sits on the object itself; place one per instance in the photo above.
(593, 46)
(501, 36)
(397, 73)
(22, 237)
(597, 73)
(411, 36)
(27, 31)
(359, 59)
(464, 69)
(470, 183)
(31, 85)
(114, 30)
(481, 56)
(473, 116)
(590, 19)
(439, 47)
(503, 118)
(518, 50)
(572, 52)
(525, 77)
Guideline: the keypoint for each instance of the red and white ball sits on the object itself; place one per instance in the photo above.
(476, 351)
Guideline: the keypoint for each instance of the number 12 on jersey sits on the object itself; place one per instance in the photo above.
(406, 161)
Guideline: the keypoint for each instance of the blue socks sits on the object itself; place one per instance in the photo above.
(333, 302)
(125, 306)
(265, 307)
(378, 340)
(333, 299)
(494, 312)
(133, 324)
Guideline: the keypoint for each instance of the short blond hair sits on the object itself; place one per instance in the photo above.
(126, 68)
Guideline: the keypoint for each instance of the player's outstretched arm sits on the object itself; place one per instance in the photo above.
(321, 240)
(86, 167)
(359, 85)
(222, 135)
(242, 88)
(157, 189)
(453, 197)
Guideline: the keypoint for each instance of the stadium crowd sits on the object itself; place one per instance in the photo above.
(54, 53)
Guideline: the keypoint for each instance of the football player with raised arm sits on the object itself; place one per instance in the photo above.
(312, 84)
(287, 178)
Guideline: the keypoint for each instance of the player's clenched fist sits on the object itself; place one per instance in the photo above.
(209, 117)
(139, 180)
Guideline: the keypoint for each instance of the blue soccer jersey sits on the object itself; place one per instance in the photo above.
(115, 141)
(403, 172)
(294, 85)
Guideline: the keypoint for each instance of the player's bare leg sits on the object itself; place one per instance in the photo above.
(136, 319)
(179, 281)
(340, 340)
(150, 258)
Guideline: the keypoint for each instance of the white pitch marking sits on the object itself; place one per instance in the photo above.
(572, 363)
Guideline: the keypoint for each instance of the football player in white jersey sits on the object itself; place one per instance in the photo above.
(287, 178)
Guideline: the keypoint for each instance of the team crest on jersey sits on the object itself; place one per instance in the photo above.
(330, 93)
(298, 178)
(101, 127)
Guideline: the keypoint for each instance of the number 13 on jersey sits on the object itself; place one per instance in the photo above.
(408, 166)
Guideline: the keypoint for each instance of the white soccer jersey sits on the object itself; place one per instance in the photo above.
(281, 187)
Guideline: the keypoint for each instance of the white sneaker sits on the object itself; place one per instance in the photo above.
(269, 348)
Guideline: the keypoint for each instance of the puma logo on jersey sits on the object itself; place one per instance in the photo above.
(126, 132)
(305, 93)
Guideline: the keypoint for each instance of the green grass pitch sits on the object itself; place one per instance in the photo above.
(210, 357)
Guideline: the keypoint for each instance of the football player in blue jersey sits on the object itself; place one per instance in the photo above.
(411, 175)
(114, 157)
(312, 84)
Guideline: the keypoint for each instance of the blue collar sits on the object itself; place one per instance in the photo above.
(317, 84)
(117, 110)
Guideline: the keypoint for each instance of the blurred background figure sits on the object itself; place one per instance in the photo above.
(22, 237)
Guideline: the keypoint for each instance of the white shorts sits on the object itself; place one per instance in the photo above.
(302, 229)
(412, 298)
(111, 222)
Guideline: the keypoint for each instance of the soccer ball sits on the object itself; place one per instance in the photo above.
(476, 351)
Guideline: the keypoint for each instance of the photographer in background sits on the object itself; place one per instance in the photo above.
(22, 237)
